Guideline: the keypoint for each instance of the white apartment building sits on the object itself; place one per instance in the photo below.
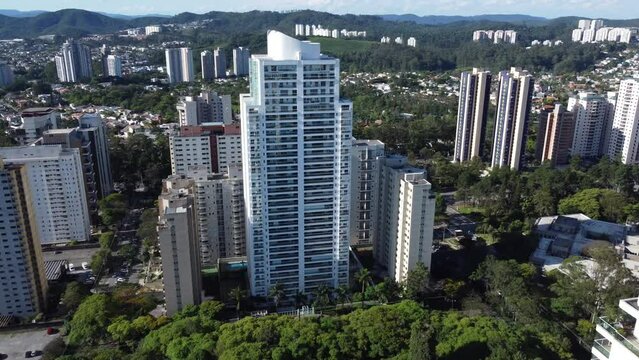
(74, 64)
(241, 56)
(472, 114)
(208, 107)
(412, 42)
(399, 40)
(296, 149)
(613, 339)
(593, 117)
(577, 35)
(366, 166)
(57, 194)
(188, 151)
(23, 284)
(114, 65)
(152, 29)
(406, 217)
(179, 65)
(179, 246)
(511, 123)
(35, 121)
(624, 134)
(229, 151)
(219, 61)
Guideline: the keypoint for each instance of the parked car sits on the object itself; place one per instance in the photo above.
(32, 353)
(51, 330)
(120, 280)
(85, 265)
(71, 267)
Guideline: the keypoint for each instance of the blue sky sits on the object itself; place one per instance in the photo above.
(615, 9)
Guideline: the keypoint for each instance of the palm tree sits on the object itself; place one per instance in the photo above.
(237, 294)
(323, 295)
(277, 293)
(343, 294)
(363, 277)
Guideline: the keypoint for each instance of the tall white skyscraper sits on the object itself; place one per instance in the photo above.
(57, 193)
(179, 65)
(472, 113)
(624, 135)
(593, 118)
(74, 64)
(114, 65)
(296, 149)
(241, 58)
(219, 59)
(206, 59)
(511, 121)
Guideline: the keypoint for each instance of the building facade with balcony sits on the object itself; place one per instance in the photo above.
(618, 340)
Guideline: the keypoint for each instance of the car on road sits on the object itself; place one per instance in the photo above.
(120, 280)
(85, 266)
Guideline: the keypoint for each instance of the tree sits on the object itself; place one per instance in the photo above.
(300, 299)
(363, 277)
(322, 295)
(416, 283)
(73, 295)
(388, 290)
(54, 349)
(89, 323)
(440, 205)
(277, 293)
(112, 209)
(121, 330)
(343, 293)
(422, 341)
(238, 295)
(106, 240)
(452, 289)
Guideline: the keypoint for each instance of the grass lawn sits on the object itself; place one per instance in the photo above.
(341, 46)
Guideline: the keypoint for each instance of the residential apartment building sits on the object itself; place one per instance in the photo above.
(152, 29)
(179, 65)
(6, 75)
(296, 151)
(514, 96)
(35, 121)
(22, 276)
(215, 146)
(406, 217)
(114, 66)
(208, 107)
(558, 136)
(180, 248)
(57, 196)
(206, 60)
(618, 340)
(241, 56)
(219, 59)
(624, 134)
(94, 134)
(542, 119)
(366, 166)
(74, 64)
(472, 114)
(593, 119)
(412, 42)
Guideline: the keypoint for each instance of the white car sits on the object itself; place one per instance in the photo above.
(120, 280)
(85, 265)
(71, 267)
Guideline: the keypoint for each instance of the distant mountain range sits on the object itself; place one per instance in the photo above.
(442, 19)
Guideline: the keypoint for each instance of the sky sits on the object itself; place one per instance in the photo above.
(612, 9)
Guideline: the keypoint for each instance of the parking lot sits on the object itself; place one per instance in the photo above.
(16, 343)
(73, 256)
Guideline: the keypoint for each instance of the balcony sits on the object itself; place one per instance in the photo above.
(620, 333)
(601, 349)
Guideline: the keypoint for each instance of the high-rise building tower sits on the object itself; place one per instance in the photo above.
(206, 59)
(180, 248)
(219, 58)
(472, 112)
(404, 235)
(366, 167)
(6, 75)
(209, 107)
(56, 191)
(35, 121)
(593, 118)
(23, 284)
(624, 136)
(241, 58)
(558, 136)
(296, 149)
(179, 65)
(511, 123)
(94, 133)
(214, 146)
(74, 65)
(114, 65)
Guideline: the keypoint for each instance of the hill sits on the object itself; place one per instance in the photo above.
(442, 19)
(20, 14)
